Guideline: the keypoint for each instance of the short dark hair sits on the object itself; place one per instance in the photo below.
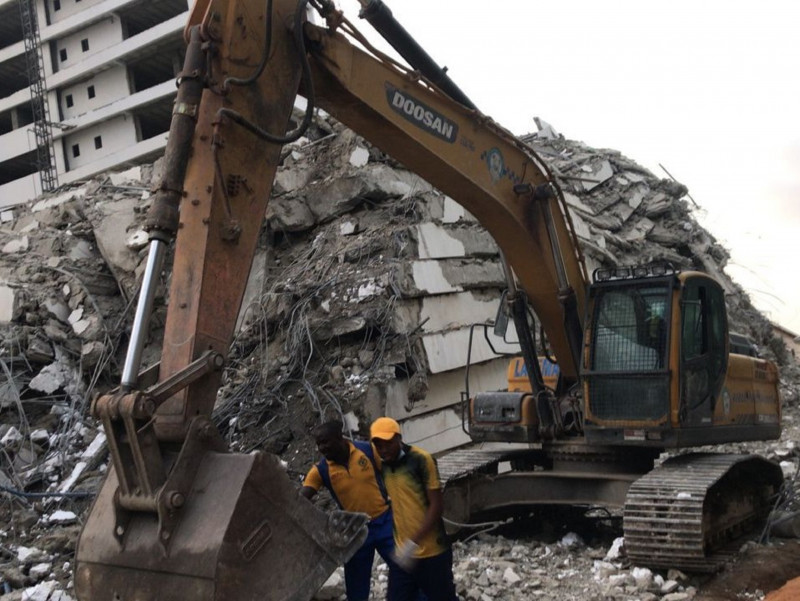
(332, 428)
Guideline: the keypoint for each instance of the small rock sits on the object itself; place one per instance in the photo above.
(643, 578)
(677, 575)
(669, 586)
(39, 571)
(61, 517)
(616, 550)
(11, 437)
(510, 576)
(40, 592)
(13, 576)
(571, 540)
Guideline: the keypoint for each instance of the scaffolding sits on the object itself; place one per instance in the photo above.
(42, 126)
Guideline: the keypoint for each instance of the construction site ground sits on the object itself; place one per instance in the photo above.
(772, 570)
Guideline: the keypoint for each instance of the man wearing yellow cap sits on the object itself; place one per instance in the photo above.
(423, 558)
(350, 472)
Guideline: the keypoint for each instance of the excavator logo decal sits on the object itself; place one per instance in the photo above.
(496, 163)
(421, 115)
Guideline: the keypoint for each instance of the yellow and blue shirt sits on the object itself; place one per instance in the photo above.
(407, 481)
(355, 485)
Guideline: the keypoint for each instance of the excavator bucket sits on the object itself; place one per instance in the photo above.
(244, 533)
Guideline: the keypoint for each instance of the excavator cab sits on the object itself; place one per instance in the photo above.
(658, 371)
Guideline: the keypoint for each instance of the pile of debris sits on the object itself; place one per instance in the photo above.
(363, 292)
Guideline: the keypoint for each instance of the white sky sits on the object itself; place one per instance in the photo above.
(709, 89)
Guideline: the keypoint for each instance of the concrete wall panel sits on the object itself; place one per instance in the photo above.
(107, 86)
(444, 388)
(116, 134)
(20, 190)
(77, 47)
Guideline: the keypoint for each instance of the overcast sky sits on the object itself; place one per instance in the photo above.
(708, 89)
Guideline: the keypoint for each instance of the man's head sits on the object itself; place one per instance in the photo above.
(330, 441)
(385, 435)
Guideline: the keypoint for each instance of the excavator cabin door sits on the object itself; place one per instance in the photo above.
(703, 351)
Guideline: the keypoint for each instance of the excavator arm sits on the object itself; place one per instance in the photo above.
(179, 516)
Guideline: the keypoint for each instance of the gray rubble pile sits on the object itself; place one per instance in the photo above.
(364, 288)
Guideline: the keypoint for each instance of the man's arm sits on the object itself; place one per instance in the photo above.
(312, 483)
(432, 514)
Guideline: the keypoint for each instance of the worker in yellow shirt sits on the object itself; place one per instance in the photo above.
(423, 561)
(351, 472)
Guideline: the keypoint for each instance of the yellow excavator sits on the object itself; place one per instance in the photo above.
(180, 517)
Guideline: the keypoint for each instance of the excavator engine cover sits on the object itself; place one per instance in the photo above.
(244, 533)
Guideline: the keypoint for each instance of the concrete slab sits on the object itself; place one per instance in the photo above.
(448, 275)
(436, 241)
(448, 350)
(437, 432)
(444, 389)
(595, 175)
(453, 212)
(446, 311)
(59, 199)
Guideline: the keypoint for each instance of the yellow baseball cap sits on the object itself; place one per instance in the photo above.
(384, 428)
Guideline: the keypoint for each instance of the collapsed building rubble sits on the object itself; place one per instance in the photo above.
(361, 302)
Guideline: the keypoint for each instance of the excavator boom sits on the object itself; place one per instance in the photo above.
(178, 515)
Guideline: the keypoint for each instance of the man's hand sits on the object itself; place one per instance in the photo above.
(404, 555)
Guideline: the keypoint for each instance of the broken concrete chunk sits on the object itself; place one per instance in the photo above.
(575, 202)
(659, 204)
(11, 437)
(10, 308)
(39, 571)
(445, 276)
(40, 592)
(50, 378)
(57, 308)
(89, 328)
(75, 316)
(348, 228)
(641, 228)
(129, 176)
(91, 353)
(359, 157)
(18, 245)
(61, 517)
(81, 249)
(290, 214)
(291, 180)
(581, 229)
(664, 236)
(595, 174)
(137, 240)
(39, 350)
(111, 235)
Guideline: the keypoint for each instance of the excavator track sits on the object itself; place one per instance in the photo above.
(682, 513)
(468, 461)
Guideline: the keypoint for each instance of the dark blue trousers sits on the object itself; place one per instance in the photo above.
(432, 576)
(358, 570)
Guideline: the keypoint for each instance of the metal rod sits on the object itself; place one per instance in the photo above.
(144, 307)
(381, 18)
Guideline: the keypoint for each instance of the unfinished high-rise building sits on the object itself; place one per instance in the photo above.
(85, 86)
